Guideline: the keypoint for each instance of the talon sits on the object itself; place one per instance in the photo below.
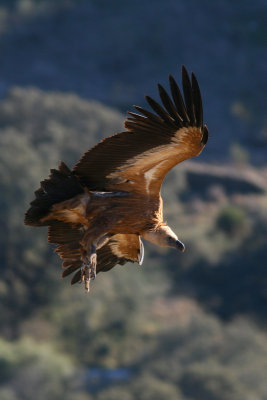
(85, 276)
(87, 285)
(88, 271)
(92, 267)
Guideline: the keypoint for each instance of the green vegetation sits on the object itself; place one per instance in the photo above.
(26, 366)
(183, 326)
(232, 221)
(239, 156)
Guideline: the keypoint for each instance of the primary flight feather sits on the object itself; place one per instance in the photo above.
(98, 212)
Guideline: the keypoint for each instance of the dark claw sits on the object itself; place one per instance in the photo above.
(88, 271)
(92, 268)
(85, 276)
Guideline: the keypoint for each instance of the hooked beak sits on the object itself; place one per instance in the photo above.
(180, 246)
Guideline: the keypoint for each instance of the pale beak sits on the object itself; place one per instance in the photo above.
(179, 245)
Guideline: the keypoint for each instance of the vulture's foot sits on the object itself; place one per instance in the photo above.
(92, 267)
(88, 269)
(85, 276)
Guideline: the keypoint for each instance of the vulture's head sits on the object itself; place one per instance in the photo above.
(165, 237)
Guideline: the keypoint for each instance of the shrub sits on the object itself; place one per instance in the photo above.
(231, 220)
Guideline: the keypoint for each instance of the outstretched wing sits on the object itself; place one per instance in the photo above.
(120, 249)
(138, 159)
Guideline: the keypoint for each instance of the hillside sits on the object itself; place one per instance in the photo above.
(116, 53)
(187, 326)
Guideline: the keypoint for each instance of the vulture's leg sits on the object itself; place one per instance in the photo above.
(88, 268)
(93, 262)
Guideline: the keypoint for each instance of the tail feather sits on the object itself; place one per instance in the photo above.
(60, 186)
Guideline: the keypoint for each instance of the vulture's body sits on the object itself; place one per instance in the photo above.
(98, 212)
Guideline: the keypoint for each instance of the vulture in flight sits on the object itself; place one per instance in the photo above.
(97, 212)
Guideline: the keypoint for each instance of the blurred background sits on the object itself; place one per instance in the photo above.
(186, 326)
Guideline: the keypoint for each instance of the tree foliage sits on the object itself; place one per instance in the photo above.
(160, 323)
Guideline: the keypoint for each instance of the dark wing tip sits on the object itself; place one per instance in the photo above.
(159, 110)
(178, 101)
(193, 102)
(188, 96)
(205, 135)
(184, 72)
(176, 110)
(197, 101)
(186, 82)
(171, 78)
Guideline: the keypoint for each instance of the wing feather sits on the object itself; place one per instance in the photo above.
(178, 100)
(120, 249)
(151, 117)
(187, 89)
(197, 101)
(153, 143)
(160, 111)
(168, 104)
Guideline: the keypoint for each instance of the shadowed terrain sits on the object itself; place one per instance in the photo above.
(188, 326)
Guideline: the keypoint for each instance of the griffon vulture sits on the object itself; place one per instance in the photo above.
(98, 211)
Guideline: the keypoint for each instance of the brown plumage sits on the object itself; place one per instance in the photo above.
(98, 212)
